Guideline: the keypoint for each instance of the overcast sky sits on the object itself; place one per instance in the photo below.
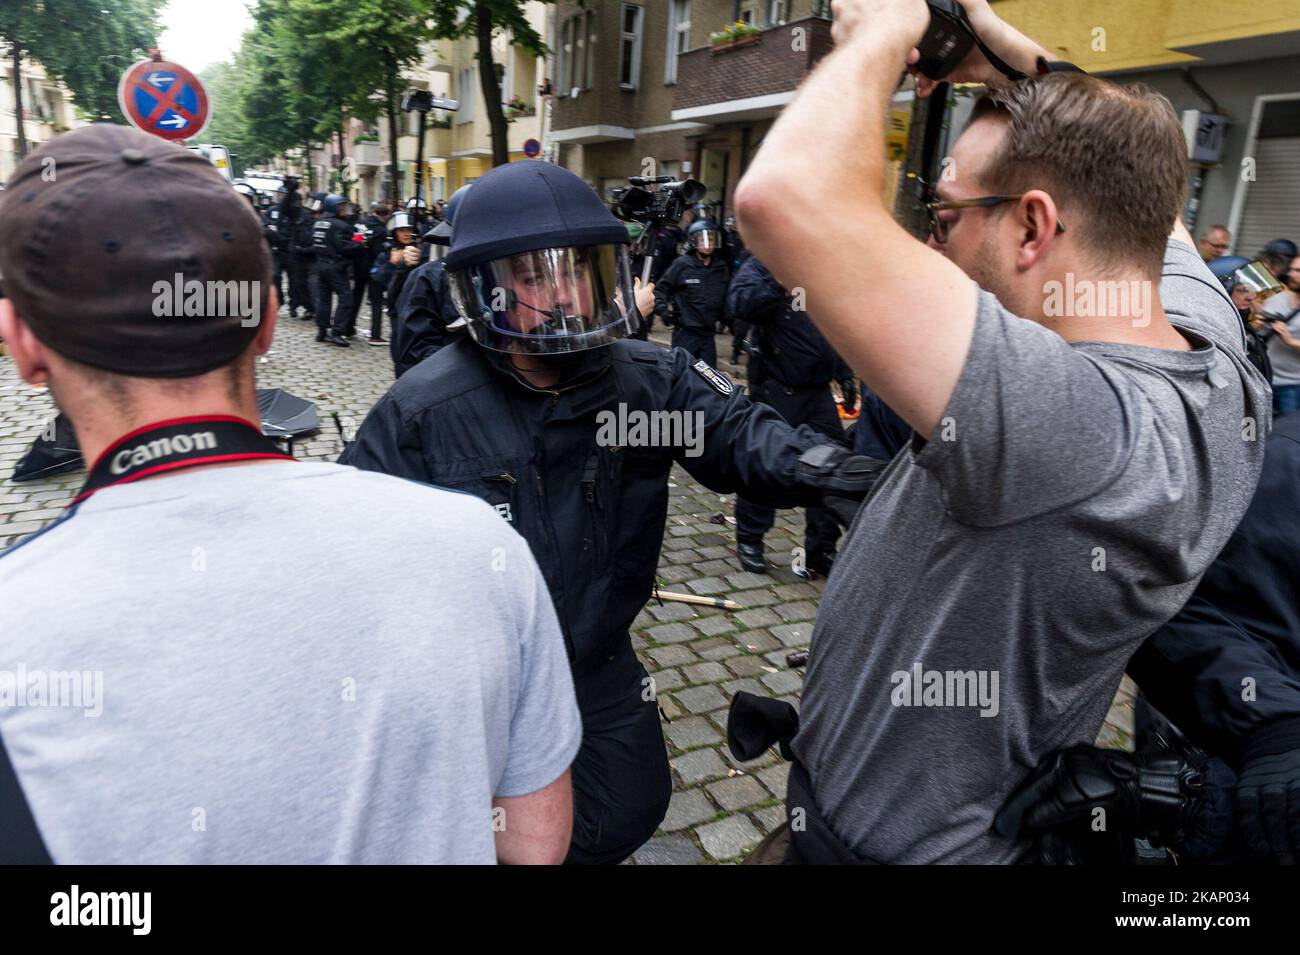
(197, 33)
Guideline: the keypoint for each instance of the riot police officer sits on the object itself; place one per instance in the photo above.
(791, 368)
(418, 210)
(513, 414)
(691, 295)
(335, 243)
(425, 318)
(373, 228)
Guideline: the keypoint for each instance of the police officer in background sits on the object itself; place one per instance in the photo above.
(425, 318)
(521, 415)
(282, 224)
(790, 370)
(302, 258)
(692, 295)
(373, 229)
(418, 210)
(335, 243)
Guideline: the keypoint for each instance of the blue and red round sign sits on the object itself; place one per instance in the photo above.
(531, 148)
(164, 99)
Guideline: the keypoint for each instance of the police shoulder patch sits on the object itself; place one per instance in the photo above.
(720, 382)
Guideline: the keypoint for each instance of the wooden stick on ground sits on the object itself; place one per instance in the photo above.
(701, 601)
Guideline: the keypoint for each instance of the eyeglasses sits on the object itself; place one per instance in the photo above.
(939, 227)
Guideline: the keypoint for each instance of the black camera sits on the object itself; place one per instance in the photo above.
(656, 199)
(947, 39)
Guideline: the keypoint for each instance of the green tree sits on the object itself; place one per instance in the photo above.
(454, 19)
(376, 40)
(85, 43)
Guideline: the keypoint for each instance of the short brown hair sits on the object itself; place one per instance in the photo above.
(1114, 155)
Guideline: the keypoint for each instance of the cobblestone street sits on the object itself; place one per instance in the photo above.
(697, 656)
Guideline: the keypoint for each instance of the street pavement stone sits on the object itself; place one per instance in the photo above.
(698, 557)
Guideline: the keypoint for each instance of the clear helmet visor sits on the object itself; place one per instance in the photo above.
(548, 301)
(707, 241)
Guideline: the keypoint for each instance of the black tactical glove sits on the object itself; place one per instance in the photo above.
(1268, 791)
(849, 389)
(1087, 805)
(844, 478)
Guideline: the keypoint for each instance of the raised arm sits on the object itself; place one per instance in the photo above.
(809, 161)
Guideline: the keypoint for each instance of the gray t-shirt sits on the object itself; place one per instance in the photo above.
(1284, 359)
(995, 585)
(280, 663)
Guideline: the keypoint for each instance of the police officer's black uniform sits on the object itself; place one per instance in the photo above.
(691, 296)
(334, 248)
(362, 286)
(424, 318)
(592, 513)
(302, 256)
(791, 371)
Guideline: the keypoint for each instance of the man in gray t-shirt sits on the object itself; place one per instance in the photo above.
(1073, 470)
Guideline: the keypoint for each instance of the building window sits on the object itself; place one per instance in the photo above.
(566, 57)
(679, 36)
(577, 54)
(629, 50)
(776, 11)
(591, 50)
(466, 82)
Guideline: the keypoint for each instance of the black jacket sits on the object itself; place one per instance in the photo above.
(400, 273)
(331, 241)
(695, 292)
(794, 352)
(378, 236)
(1243, 620)
(592, 512)
(421, 317)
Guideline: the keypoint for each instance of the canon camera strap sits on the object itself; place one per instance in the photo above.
(175, 444)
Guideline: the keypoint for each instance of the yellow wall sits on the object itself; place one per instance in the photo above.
(1143, 33)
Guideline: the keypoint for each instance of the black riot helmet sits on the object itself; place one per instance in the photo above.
(538, 264)
(335, 204)
(704, 237)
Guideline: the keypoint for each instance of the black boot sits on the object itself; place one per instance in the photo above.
(751, 556)
(337, 340)
(320, 335)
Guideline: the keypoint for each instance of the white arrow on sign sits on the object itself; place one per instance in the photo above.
(177, 121)
(159, 80)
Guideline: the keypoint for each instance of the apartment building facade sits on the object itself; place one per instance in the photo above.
(47, 111)
(671, 87)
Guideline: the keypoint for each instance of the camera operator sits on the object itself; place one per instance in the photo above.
(190, 542)
(1073, 469)
(691, 295)
(791, 372)
(538, 267)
